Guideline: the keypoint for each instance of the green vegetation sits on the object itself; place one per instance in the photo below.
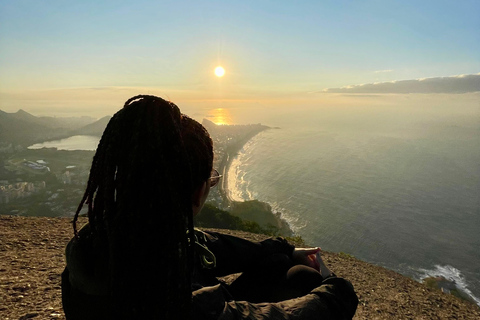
(448, 286)
(431, 283)
(57, 160)
(297, 241)
(61, 192)
(261, 213)
(213, 217)
(345, 255)
(460, 294)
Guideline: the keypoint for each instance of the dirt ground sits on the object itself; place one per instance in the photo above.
(32, 259)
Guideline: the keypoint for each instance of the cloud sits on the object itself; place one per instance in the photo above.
(453, 84)
(383, 71)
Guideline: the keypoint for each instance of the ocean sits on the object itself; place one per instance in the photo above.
(397, 189)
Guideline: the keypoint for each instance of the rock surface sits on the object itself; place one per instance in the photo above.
(32, 259)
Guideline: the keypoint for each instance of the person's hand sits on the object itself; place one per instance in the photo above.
(306, 256)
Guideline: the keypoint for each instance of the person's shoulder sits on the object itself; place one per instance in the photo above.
(82, 235)
(87, 260)
(86, 241)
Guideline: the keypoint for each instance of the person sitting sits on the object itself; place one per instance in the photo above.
(139, 256)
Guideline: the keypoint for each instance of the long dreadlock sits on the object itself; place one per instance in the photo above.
(139, 195)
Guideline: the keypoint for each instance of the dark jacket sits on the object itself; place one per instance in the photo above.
(84, 287)
(231, 254)
(333, 299)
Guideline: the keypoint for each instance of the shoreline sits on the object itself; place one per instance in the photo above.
(251, 210)
(224, 166)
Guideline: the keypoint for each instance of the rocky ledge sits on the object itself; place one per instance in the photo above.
(32, 259)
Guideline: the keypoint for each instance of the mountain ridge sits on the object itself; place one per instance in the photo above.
(25, 129)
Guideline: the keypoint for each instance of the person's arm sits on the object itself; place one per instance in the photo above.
(234, 254)
(334, 299)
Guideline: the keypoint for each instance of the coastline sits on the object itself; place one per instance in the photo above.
(231, 152)
(251, 210)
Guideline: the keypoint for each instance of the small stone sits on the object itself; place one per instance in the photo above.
(28, 316)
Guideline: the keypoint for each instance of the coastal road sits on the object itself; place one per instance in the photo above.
(223, 170)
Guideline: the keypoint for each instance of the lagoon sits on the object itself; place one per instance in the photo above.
(80, 142)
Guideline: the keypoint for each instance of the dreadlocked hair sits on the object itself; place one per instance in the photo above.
(147, 165)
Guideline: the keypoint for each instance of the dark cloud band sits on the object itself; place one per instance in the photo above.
(454, 84)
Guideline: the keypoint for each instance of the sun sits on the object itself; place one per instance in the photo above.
(219, 71)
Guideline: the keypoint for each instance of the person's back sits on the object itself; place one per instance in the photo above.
(139, 209)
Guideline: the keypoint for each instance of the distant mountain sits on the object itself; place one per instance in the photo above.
(93, 129)
(23, 115)
(54, 122)
(209, 125)
(20, 129)
(68, 122)
(23, 128)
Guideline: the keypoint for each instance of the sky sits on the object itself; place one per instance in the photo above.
(88, 57)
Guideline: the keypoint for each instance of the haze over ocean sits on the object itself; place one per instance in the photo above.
(396, 187)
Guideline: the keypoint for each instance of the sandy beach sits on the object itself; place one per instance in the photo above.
(230, 153)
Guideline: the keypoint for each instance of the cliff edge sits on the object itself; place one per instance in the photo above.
(32, 259)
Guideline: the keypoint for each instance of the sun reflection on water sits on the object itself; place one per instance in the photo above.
(220, 116)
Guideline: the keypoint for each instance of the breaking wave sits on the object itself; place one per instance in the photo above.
(452, 274)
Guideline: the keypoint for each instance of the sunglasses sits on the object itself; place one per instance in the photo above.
(214, 178)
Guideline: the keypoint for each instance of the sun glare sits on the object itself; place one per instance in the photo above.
(219, 71)
(220, 116)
